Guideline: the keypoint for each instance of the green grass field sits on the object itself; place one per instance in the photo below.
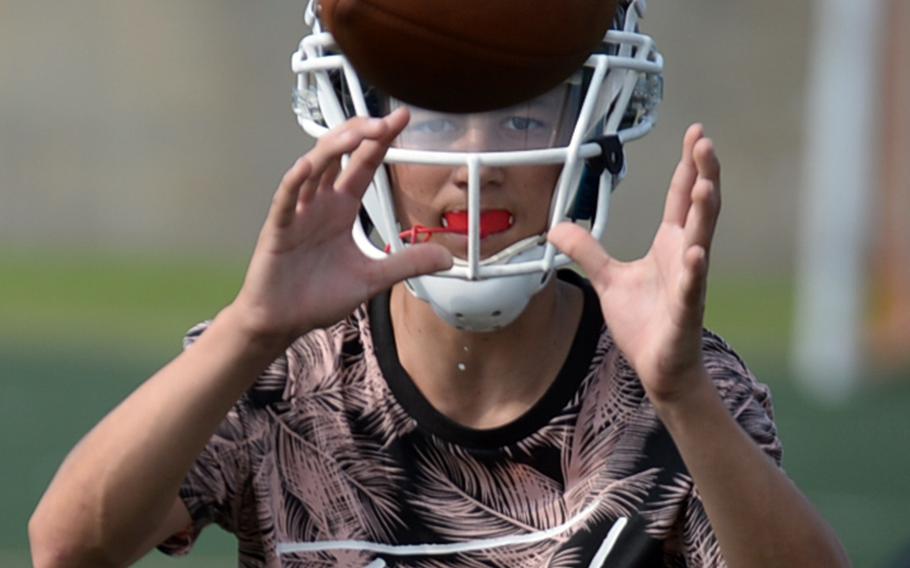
(81, 331)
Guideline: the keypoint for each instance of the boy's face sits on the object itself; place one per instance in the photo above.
(424, 195)
(518, 197)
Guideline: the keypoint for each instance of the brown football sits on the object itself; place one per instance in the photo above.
(466, 55)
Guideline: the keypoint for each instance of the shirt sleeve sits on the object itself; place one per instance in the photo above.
(214, 488)
(749, 402)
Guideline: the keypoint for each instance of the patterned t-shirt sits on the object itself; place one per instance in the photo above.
(335, 458)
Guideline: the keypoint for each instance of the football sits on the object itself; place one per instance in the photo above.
(466, 55)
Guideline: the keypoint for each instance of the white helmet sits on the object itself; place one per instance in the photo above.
(614, 98)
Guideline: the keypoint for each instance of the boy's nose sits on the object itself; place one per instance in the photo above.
(478, 136)
(490, 176)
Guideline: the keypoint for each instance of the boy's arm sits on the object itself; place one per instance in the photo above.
(178, 519)
(760, 518)
(119, 483)
(654, 307)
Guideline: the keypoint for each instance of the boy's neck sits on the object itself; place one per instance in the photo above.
(484, 380)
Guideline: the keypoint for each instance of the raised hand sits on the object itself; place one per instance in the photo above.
(654, 306)
(306, 270)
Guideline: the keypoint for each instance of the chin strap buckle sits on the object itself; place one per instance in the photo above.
(612, 156)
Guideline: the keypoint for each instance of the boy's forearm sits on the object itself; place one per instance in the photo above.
(759, 516)
(121, 479)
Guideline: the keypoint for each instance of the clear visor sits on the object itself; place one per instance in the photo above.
(546, 121)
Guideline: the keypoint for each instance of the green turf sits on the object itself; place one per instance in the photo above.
(139, 303)
(852, 462)
(79, 332)
(82, 331)
(753, 314)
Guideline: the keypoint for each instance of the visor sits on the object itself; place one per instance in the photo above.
(547, 121)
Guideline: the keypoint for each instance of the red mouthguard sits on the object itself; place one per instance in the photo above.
(491, 222)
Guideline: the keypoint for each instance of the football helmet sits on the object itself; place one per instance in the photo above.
(611, 100)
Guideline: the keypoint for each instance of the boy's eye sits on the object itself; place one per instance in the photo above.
(522, 123)
(434, 126)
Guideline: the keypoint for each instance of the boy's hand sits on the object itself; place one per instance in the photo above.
(306, 270)
(654, 306)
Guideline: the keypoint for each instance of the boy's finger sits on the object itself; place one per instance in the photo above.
(581, 247)
(284, 202)
(705, 157)
(334, 144)
(703, 213)
(367, 158)
(413, 261)
(343, 140)
(705, 208)
(694, 283)
(678, 196)
(327, 181)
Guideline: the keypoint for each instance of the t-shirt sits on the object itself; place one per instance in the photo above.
(335, 458)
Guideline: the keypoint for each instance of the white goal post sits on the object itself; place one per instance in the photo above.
(840, 185)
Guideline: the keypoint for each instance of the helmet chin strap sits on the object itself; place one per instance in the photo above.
(503, 256)
(483, 305)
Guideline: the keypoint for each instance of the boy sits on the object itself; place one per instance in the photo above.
(429, 389)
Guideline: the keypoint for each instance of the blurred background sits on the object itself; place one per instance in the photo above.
(140, 143)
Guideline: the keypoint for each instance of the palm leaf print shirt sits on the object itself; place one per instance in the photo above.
(334, 458)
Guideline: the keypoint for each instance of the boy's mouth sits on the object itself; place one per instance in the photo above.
(492, 221)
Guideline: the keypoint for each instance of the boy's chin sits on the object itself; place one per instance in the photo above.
(489, 246)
